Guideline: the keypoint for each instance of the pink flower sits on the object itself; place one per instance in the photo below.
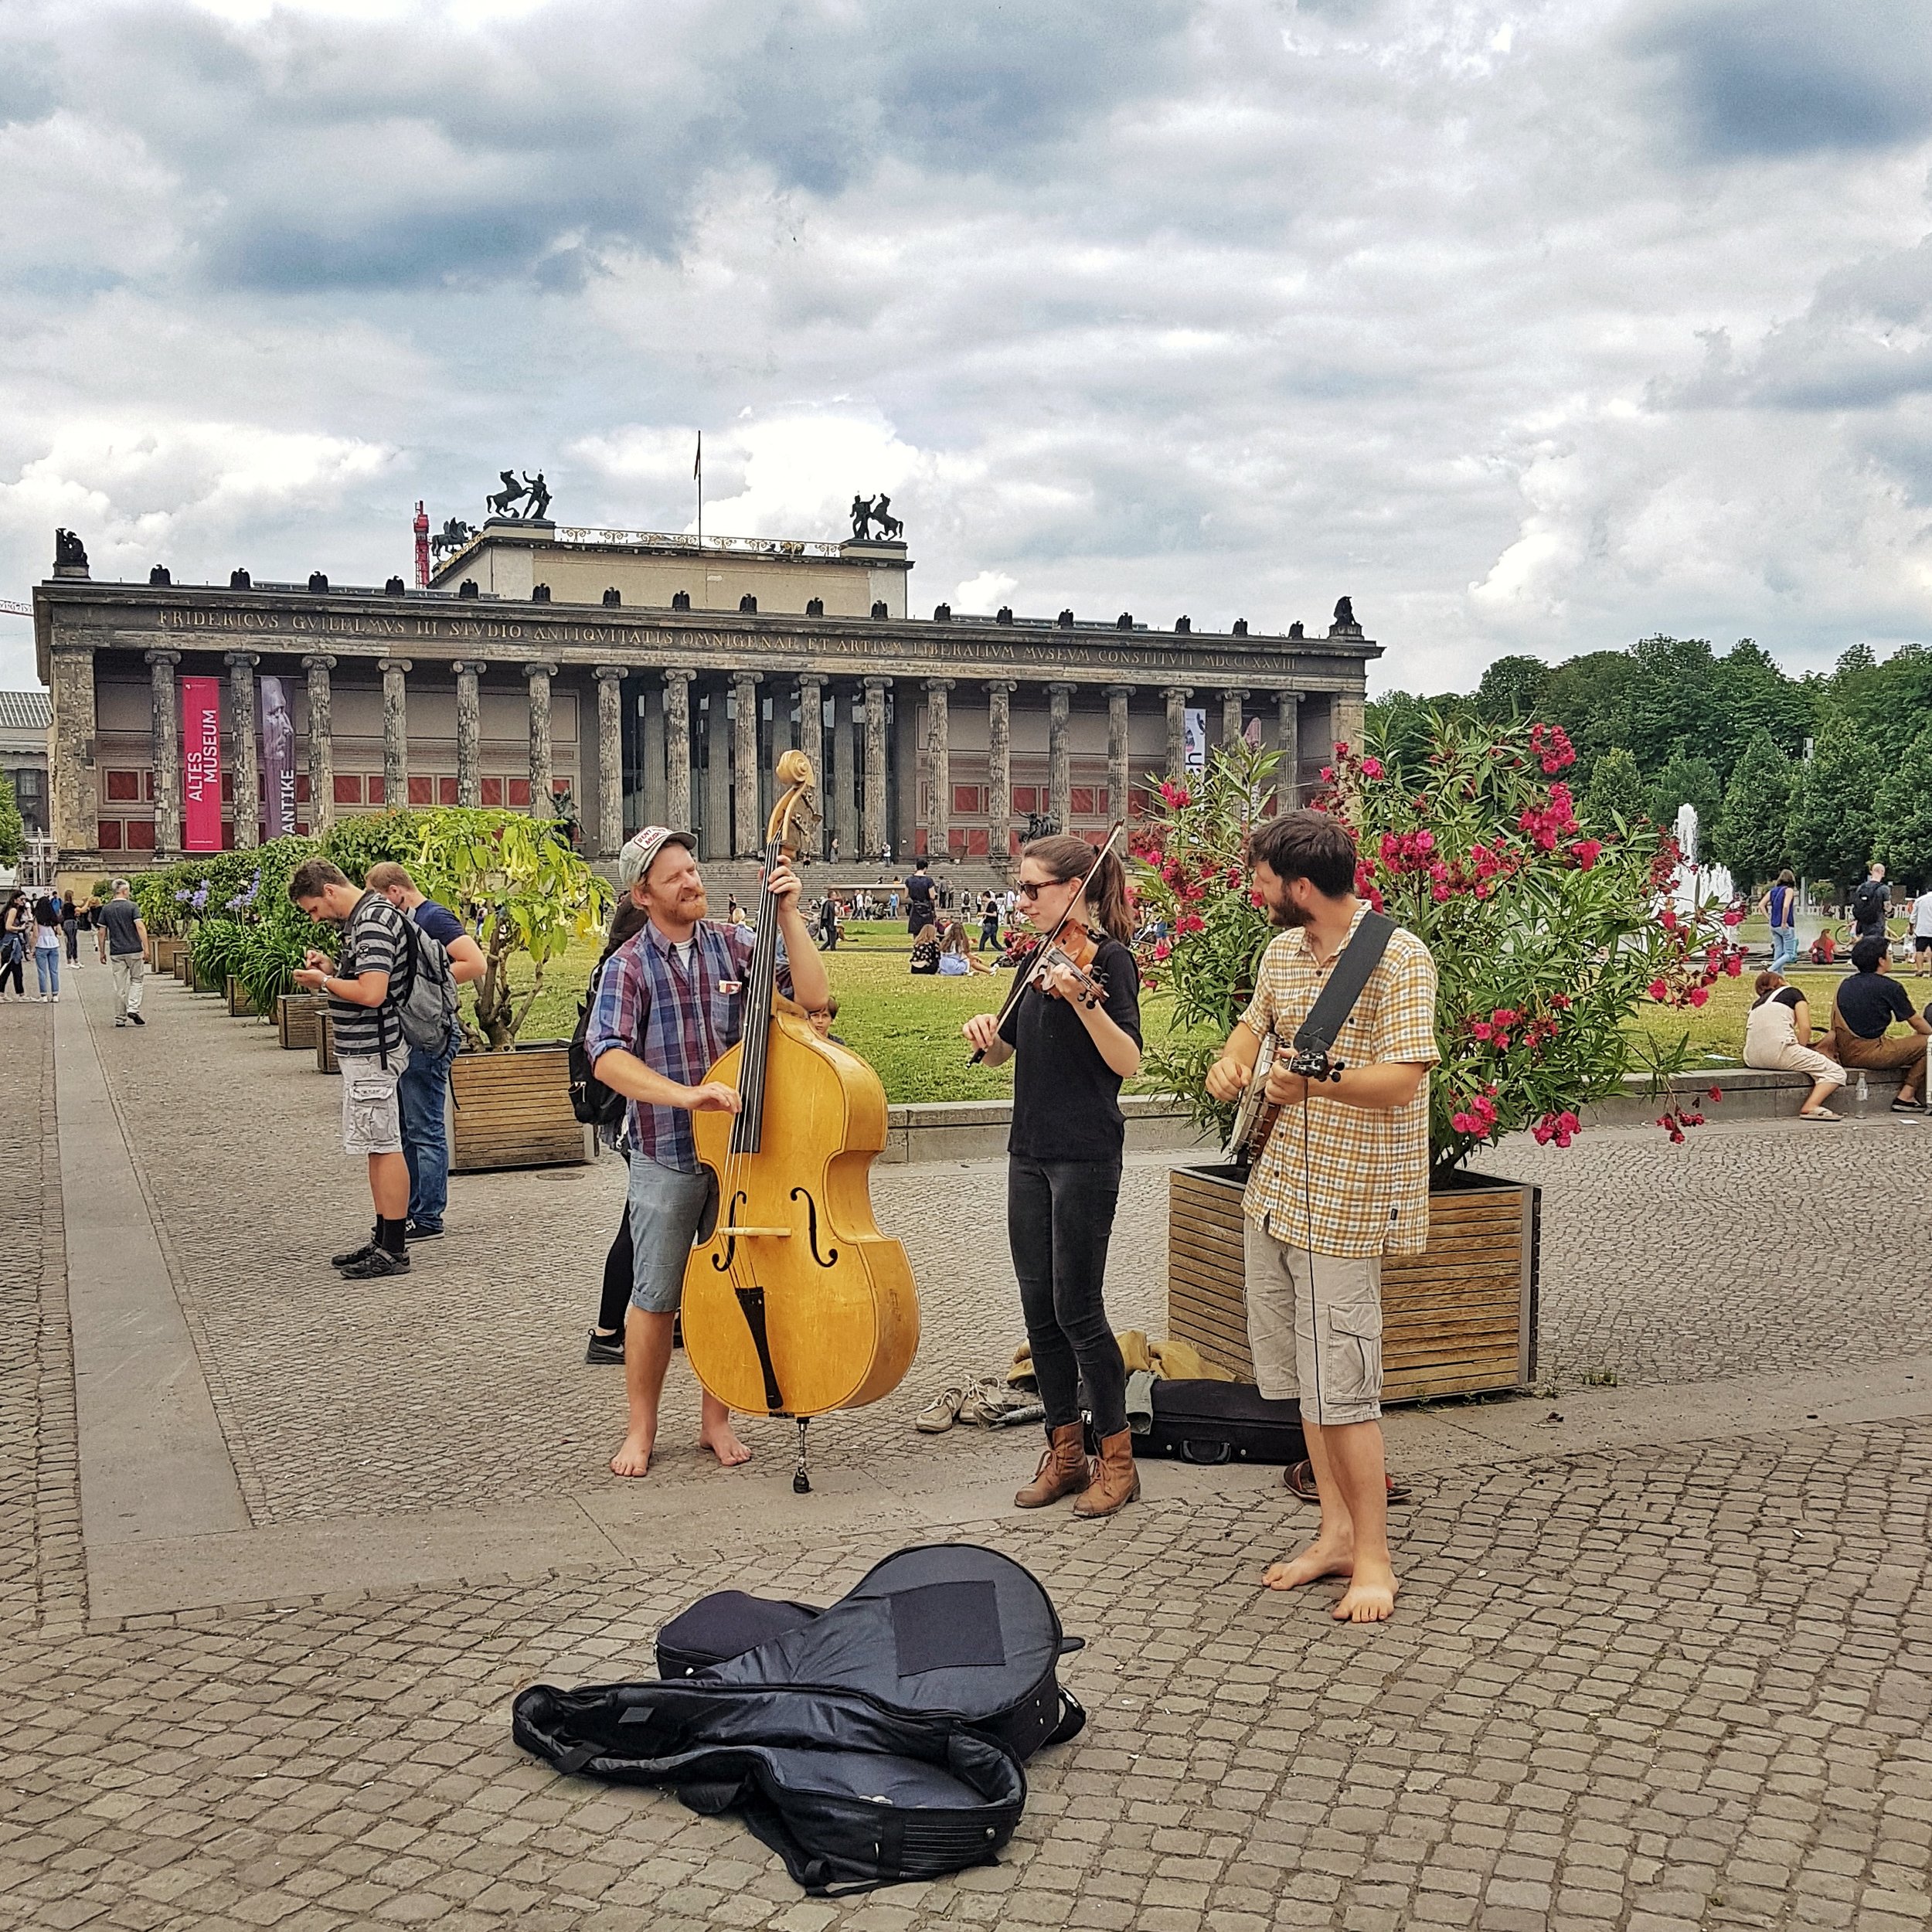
(1733, 917)
(1585, 852)
(1372, 767)
(1698, 995)
(1715, 1094)
(1328, 774)
(1480, 1029)
(1669, 922)
(1658, 990)
(1189, 923)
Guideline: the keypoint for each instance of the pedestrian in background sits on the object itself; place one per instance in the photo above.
(1922, 931)
(70, 927)
(124, 938)
(46, 948)
(16, 928)
(1782, 903)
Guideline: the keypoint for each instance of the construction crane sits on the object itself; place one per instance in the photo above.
(16, 610)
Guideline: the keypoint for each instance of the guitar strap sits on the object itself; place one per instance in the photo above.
(1337, 999)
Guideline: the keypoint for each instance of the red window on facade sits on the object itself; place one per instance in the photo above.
(141, 834)
(373, 788)
(301, 787)
(493, 791)
(228, 835)
(228, 788)
(107, 834)
(1083, 801)
(348, 788)
(966, 798)
(520, 794)
(956, 841)
(559, 787)
(1026, 798)
(445, 791)
(918, 843)
(978, 841)
(422, 791)
(1136, 802)
(123, 786)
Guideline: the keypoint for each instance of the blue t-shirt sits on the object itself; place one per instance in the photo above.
(1781, 906)
(439, 921)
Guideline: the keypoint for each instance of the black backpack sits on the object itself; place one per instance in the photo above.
(593, 1103)
(1868, 904)
(876, 1743)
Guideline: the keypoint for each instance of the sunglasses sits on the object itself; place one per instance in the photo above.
(1027, 889)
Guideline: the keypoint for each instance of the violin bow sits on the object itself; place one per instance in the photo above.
(1022, 979)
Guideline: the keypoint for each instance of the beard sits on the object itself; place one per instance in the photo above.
(1287, 917)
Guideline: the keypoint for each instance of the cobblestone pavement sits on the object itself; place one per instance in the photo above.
(1666, 1687)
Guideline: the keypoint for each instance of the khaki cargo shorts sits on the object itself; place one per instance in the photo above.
(1315, 1331)
(371, 1116)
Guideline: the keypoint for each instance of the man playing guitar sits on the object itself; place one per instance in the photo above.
(1343, 1180)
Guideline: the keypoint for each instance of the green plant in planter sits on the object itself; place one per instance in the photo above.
(521, 888)
(1547, 935)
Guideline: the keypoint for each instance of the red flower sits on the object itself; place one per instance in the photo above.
(1698, 995)
(1372, 767)
(1658, 990)
(1585, 852)
(1481, 1029)
(1328, 774)
(1715, 1094)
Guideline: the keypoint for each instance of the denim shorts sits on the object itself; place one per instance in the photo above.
(667, 1210)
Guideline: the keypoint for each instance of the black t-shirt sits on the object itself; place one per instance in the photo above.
(1789, 996)
(1868, 906)
(1868, 1002)
(1066, 1100)
(919, 891)
(121, 916)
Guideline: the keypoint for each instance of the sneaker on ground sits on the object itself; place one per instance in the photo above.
(121, 1022)
(604, 1348)
(355, 1255)
(378, 1263)
(420, 1231)
(137, 1020)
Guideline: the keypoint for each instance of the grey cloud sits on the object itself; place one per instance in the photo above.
(1751, 77)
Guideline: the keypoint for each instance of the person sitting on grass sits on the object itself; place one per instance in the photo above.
(1868, 1000)
(926, 950)
(956, 959)
(1777, 1034)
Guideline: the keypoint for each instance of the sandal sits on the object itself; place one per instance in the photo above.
(1823, 1113)
(1906, 1106)
(942, 1412)
(1298, 1480)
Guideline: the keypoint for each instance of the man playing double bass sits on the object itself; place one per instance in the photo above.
(669, 1002)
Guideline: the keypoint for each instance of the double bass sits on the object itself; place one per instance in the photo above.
(794, 1304)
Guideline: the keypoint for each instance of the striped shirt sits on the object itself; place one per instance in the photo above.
(1363, 1187)
(677, 1008)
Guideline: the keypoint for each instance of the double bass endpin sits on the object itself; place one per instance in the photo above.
(800, 1482)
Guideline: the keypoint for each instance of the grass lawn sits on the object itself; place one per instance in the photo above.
(908, 1028)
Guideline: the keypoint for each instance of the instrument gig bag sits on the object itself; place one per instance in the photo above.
(1208, 1423)
(874, 1743)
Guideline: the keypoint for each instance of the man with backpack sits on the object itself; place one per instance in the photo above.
(364, 1009)
(1870, 903)
(422, 1092)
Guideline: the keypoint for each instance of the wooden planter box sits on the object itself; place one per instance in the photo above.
(325, 1043)
(1457, 1319)
(239, 1006)
(166, 951)
(182, 965)
(298, 1018)
(513, 1109)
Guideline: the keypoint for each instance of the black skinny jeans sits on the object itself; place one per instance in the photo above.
(619, 1271)
(1060, 1217)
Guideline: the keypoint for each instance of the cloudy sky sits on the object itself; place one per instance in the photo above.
(1530, 326)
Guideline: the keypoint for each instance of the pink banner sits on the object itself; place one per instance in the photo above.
(201, 764)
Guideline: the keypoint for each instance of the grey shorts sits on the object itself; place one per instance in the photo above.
(667, 1210)
(371, 1119)
(1339, 1375)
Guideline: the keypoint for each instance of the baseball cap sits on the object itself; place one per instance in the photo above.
(634, 861)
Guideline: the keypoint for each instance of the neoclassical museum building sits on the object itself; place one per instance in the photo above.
(655, 681)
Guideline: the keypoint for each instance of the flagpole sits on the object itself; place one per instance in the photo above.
(697, 472)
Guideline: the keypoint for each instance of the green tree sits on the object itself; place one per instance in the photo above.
(1590, 697)
(1510, 689)
(1673, 699)
(13, 831)
(1688, 779)
(1831, 825)
(1750, 693)
(1749, 836)
(1904, 810)
(1616, 791)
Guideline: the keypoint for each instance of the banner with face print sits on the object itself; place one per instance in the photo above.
(278, 759)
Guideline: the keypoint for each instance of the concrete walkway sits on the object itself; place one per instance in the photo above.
(1664, 1656)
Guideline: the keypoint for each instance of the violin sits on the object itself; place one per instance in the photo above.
(1075, 948)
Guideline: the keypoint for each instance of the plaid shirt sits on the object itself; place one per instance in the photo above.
(1365, 1187)
(677, 1018)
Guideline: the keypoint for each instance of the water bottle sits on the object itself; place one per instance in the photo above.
(1865, 1092)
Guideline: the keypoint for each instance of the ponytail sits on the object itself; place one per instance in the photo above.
(1066, 857)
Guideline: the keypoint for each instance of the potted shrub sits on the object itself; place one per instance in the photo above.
(1547, 936)
(519, 886)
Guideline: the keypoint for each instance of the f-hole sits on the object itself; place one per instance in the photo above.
(722, 1262)
(830, 1255)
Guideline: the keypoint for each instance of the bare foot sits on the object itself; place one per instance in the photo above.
(633, 1458)
(1370, 1597)
(723, 1444)
(1319, 1560)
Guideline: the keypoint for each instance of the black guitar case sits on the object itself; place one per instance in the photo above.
(878, 1741)
(1215, 1422)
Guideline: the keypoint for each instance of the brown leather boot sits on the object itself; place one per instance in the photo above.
(1062, 1470)
(1116, 1481)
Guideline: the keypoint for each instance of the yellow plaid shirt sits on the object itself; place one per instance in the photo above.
(1364, 1189)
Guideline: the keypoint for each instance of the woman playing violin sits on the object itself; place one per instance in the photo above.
(1075, 1030)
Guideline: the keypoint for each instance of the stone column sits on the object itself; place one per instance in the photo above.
(1060, 769)
(872, 836)
(939, 767)
(1116, 750)
(1288, 738)
(167, 728)
(610, 678)
(999, 769)
(321, 742)
(812, 714)
(248, 809)
(676, 750)
(749, 825)
(845, 779)
(469, 738)
(1347, 717)
(1176, 695)
(1231, 721)
(652, 801)
(539, 676)
(73, 782)
(396, 733)
(717, 776)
